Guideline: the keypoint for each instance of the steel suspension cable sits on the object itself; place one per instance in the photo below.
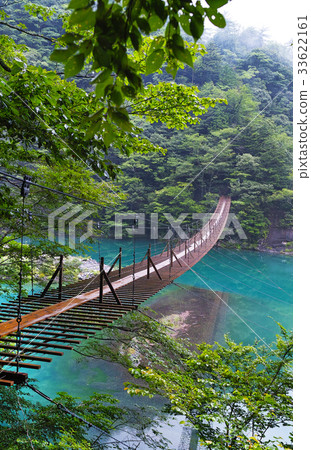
(63, 408)
(24, 193)
(231, 309)
(56, 191)
(260, 271)
(242, 282)
(246, 274)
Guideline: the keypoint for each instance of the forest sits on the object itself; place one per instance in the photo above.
(241, 146)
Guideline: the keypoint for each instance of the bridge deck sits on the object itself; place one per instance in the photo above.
(49, 321)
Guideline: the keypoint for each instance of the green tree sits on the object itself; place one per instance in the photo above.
(66, 135)
(29, 425)
(232, 394)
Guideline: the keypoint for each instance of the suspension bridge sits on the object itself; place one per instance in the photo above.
(46, 324)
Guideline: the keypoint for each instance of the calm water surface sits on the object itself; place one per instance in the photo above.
(258, 291)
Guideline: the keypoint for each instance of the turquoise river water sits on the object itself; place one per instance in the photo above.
(258, 291)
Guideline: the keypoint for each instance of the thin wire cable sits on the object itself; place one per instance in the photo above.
(244, 273)
(32, 271)
(233, 139)
(242, 282)
(19, 297)
(54, 133)
(229, 307)
(63, 408)
(134, 261)
(56, 191)
(258, 270)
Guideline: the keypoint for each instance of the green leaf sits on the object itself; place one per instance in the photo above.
(101, 56)
(171, 68)
(69, 38)
(157, 43)
(128, 91)
(83, 17)
(95, 116)
(116, 96)
(183, 55)
(154, 61)
(74, 65)
(160, 9)
(121, 119)
(177, 40)
(101, 76)
(135, 39)
(155, 22)
(100, 89)
(216, 18)
(93, 129)
(76, 4)
(109, 137)
(196, 26)
(217, 3)
(184, 21)
(60, 55)
(143, 25)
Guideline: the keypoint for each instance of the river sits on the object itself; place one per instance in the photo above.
(242, 293)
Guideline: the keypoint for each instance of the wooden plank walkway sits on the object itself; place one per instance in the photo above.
(49, 321)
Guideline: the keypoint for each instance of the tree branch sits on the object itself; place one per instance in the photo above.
(30, 33)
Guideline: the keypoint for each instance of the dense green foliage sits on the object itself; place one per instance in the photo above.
(25, 424)
(61, 132)
(232, 394)
(243, 148)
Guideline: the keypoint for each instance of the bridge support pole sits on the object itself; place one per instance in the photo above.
(111, 288)
(60, 277)
(173, 254)
(101, 279)
(155, 269)
(120, 261)
(59, 271)
(118, 258)
(148, 262)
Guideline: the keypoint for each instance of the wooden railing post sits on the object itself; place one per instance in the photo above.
(120, 261)
(148, 262)
(59, 270)
(60, 277)
(101, 279)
